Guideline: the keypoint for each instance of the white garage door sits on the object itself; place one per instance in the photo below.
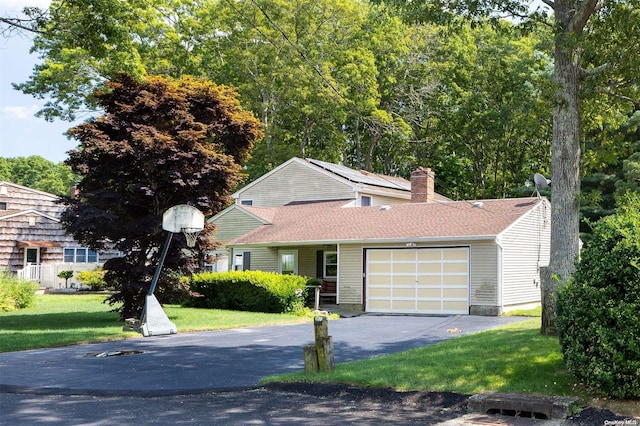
(426, 281)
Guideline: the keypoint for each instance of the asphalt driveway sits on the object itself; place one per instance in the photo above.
(219, 360)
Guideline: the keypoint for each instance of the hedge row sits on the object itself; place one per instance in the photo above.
(15, 293)
(252, 291)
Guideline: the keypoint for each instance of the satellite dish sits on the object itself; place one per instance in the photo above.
(540, 182)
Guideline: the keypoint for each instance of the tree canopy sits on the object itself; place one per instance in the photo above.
(159, 143)
(38, 173)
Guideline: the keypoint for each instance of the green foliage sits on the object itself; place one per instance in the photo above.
(94, 279)
(16, 294)
(253, 291)
(599, 311)
(38, 173)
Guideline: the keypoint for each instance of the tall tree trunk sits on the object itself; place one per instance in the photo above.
(565, 165)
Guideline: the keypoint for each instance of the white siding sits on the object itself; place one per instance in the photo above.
(525, 249)
(295, 182)
(350, 269)
(262, 259)
(484, 273)
(233, 224)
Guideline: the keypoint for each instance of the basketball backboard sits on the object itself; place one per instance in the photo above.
(181, 217)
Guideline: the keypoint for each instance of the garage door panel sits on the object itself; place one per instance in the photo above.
(453, 306)
(429, 280)
(429, 306)
(454, 268)
(404, 268)
(455, 293)
(429, 268)
(455, 254)
(404, 305)
(380, 292)
(455, 280)
(404, 256)
(379, 280)
(380, 304)
(379, 255)
(429, 293)
(404, 292)
(380, 268)
(429, 255)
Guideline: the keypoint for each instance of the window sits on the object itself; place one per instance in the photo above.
(365, 200)
(80, 255)
(288, 262)
(330, 264)
(246, 202)
(3, 205)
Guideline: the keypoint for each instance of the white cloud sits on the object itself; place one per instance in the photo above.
(18, 112)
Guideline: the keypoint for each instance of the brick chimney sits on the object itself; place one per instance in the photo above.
(422, 185)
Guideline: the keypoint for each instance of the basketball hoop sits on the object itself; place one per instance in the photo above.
(191, 235)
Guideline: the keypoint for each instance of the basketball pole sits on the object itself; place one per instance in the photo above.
(163, 255)
(154, 321)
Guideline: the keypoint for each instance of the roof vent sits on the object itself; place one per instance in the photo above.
(385, 208)
(478, 204)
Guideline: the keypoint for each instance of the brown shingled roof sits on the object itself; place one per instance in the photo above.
(332, 222)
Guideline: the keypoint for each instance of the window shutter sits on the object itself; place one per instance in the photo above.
(320, 264)
(246, 260)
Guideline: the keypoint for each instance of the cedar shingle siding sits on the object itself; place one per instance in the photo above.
(30, 222)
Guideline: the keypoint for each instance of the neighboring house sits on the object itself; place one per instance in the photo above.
(429, 256)
(33, 243)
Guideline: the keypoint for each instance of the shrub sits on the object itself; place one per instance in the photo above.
(253, 291)
(93, 279)
(598, 312)
(15, 293)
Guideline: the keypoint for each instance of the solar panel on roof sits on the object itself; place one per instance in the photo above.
(363, 177)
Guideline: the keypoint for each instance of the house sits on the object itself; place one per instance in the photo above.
(429, 256)
(33, 243)
(306, 180)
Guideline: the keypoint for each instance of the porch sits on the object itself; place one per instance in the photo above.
(46, 274)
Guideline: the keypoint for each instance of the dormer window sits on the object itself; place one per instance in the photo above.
(365, 201)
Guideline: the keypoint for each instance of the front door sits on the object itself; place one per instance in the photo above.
(32, 256)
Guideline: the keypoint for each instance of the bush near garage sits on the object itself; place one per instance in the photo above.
(253, 291)
(15, 293)
(598, 312)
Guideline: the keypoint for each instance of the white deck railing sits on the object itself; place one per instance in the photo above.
(47, 273)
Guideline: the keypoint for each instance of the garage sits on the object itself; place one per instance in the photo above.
(417, 280)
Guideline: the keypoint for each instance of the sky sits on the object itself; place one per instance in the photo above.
(22, 134)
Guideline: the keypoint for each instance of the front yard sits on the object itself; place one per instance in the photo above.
(67, 319)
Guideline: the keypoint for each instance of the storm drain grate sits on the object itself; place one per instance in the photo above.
(515, 413)
(113, 353)
(523, 405)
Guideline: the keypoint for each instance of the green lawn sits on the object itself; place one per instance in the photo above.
(513, 358)
(62, 319)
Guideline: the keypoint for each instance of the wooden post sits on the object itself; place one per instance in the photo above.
(320, 327)
(310, 358)
(324, 344)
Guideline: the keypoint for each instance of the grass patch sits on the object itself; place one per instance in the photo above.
(63, 319)
(513, 358)
(535, 312)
